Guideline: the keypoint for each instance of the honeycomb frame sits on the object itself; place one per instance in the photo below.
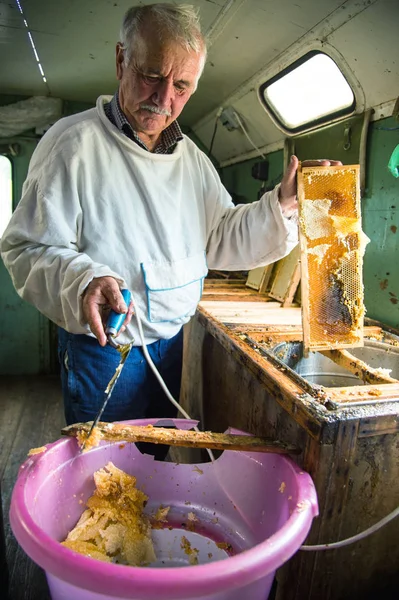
(332, 246)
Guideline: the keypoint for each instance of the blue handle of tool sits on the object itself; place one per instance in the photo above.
(115, 320)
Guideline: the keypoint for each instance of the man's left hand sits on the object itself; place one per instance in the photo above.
(288, 187)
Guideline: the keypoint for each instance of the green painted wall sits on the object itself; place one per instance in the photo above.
(340, 141)
(242, 186)
(381, 223)
(24, 333)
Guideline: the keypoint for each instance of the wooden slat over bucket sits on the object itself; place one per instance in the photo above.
(332, 246)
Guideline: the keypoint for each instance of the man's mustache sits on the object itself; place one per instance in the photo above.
(156, 110)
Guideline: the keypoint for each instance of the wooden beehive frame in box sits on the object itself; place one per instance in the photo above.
(332, 247)
(286, 278)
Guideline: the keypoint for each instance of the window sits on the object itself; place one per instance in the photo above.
(5, 193)
(309, 92)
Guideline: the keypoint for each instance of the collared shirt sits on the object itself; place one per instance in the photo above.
(169, 138)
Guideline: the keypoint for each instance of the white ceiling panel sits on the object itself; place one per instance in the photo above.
(251, 40)
(371, 47)
(75, 41)
(18, 66)
(20, 61)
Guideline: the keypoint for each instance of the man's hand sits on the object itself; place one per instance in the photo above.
(101, 295)
(288, 189)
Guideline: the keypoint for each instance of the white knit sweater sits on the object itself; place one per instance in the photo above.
(94, 203)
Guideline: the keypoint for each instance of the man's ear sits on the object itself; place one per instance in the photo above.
(120, 59)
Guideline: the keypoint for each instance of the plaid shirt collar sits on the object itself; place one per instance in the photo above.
(169, 138)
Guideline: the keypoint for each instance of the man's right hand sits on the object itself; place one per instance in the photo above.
(288, 188)
(101, 295)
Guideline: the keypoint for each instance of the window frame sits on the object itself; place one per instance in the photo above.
(310, 125)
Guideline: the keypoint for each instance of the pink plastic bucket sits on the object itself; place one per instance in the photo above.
(262, 505)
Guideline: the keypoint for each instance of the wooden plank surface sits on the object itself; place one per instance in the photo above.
(233, 295)
(230, 290)
(290, 333)
(224, 283)
(269, 313)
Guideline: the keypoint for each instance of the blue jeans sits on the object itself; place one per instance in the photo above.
(87, 367)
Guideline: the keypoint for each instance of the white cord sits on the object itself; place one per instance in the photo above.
(246, 134)
(354, 538)
(158, 375)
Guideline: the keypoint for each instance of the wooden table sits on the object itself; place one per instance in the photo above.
(352, 454)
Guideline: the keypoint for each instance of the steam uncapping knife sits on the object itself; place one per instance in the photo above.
(112, 328)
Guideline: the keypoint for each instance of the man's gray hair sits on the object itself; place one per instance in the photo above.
(180, 22)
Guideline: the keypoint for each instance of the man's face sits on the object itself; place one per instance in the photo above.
(156, 84)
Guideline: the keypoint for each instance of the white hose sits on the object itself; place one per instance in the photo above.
(158, 375)
(354, 538)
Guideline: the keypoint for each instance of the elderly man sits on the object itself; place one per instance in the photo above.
(117, 197)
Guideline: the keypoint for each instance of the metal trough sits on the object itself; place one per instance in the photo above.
(320, 370)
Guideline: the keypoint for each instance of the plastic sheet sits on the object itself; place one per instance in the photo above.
(38, 111)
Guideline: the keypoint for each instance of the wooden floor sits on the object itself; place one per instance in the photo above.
(31, 414)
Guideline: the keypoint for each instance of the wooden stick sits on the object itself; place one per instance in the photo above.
(117, 432)
(358, 367)
(290, 333)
